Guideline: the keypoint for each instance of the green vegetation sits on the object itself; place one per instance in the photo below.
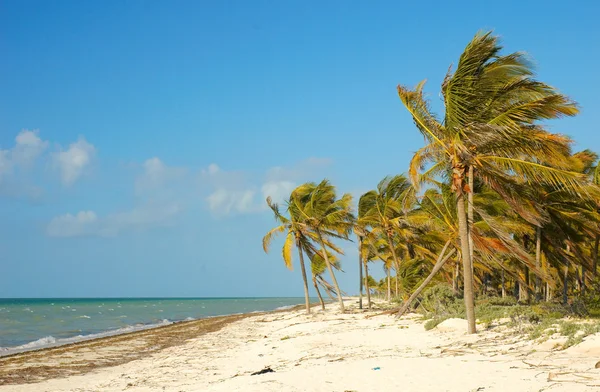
(497, 217)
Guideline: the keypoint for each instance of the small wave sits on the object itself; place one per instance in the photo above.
(285, 307)
(85, 316)
(45, 341)
(189, 319)
(50, 341)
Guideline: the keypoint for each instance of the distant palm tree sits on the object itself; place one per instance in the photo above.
(326, 216)
(384, 209)
(295, 235)
(318, 267)
(489, 129)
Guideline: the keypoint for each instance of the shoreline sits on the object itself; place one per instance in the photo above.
(35, 345)
(186, 329)
(324, 351)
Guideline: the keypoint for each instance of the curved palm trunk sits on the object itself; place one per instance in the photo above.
(463, 231)
(470, 215)
(438, 266)
(314, 279)
(367, 285)
(306, 297)
(335, 282)
(360, 273)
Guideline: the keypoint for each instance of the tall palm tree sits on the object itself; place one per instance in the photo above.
(326, 216)
(492, 105)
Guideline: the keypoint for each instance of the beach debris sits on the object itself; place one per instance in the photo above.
(597, 365)
(377, 368)
(263, 371)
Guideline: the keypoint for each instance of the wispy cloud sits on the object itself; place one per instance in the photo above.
(28, 147)
(162, 191)
(88, 223)
(73, 161)
(235, 192)
(156, 175)
(17, 161)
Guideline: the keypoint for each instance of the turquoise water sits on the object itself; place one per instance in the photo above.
(27, 324)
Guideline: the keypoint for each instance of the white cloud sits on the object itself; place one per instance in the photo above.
(236, 192)
(73, 161)
(223, 201)
(28, 147)
(156, 175)
(5, 163)
(279, 191)
(213, 169)
(81, 224)
(87, 223)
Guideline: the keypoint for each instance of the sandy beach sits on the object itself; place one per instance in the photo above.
(325, 351)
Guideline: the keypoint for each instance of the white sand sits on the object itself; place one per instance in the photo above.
(328, 351)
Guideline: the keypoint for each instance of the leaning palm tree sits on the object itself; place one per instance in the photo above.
(295, 235)
(383, 208)
(326, 216)
(318, 267)
(489, 130)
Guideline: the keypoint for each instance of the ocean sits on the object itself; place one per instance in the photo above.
(27, 324)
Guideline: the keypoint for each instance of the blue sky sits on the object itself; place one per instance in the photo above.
(138, 139)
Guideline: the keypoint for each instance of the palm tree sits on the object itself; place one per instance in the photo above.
(383, 208)
(489, 130)
(318, 267)
(326, 216)
(295, 235)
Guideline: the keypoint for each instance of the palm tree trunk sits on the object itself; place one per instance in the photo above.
(565, 283)
(470, 215)
(394, 256)
(455, 288)
(503, 285)
(538, 258)
(367, 285)
(463, 230)
(389, 284)
(595, 256)
(360, 273)
(582, 278)
(306, 297)
(548, 292)
(314, 279)
(438, 266)
(524, 286)
(397, 267)
(335, 282)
